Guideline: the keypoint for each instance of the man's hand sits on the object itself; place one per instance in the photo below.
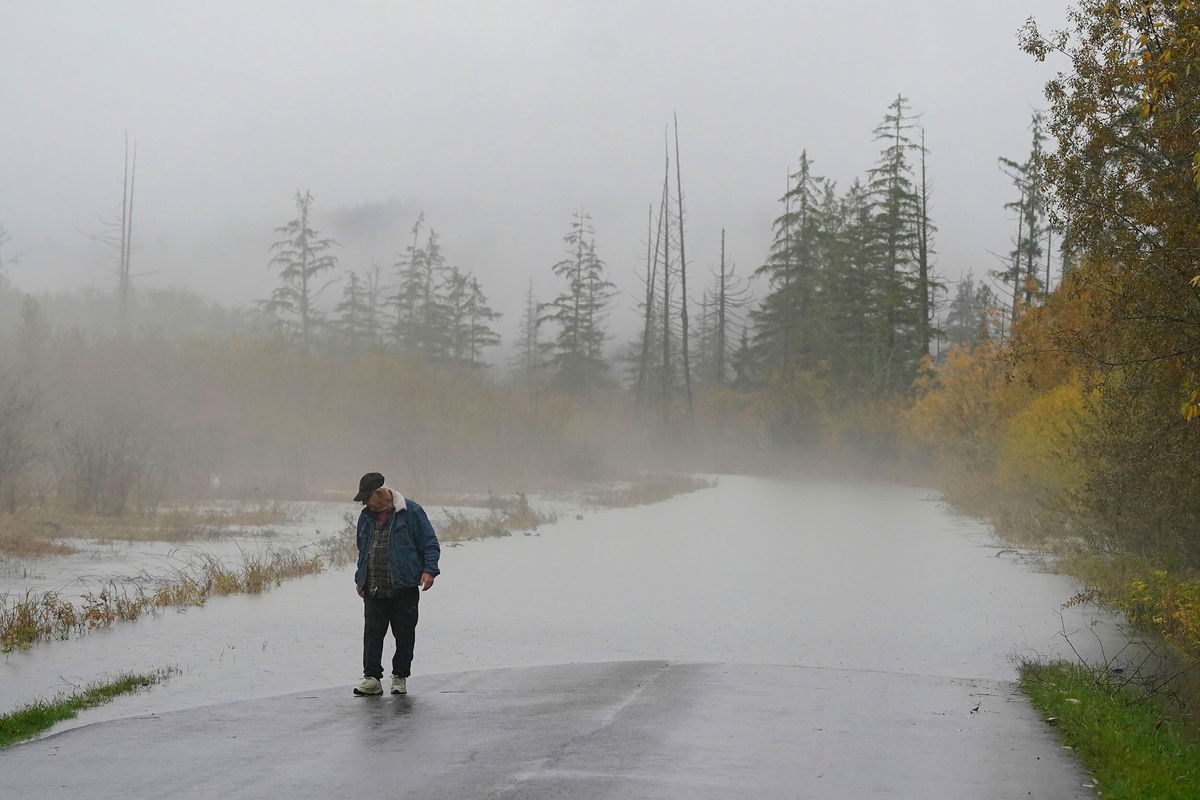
(360, 591)
(426, 581)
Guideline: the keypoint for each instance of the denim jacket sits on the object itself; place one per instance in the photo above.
(414, 545)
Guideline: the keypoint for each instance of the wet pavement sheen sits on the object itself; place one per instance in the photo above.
(765, 637)
(613, 730)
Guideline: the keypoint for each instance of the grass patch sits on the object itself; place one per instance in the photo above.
(30, 720)
(649, 487)
(514, 515)
(1136, 743)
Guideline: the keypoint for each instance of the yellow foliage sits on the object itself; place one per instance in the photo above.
(1038, 444)
(961, 405)
(1167, 604)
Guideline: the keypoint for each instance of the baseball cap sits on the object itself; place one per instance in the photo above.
(367, 484)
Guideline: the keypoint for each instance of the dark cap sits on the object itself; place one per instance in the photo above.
(366, 485)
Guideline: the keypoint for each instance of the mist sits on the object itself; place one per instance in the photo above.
(497, 123)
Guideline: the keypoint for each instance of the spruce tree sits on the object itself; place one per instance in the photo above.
(577, 361)
(301, 257)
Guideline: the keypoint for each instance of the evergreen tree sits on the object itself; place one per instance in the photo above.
(301, 257)
(968, 317)
(577, 360)
(352, 322)
(468, 318)
(528, 362)
(783, 337)
(422, 328)
(896, 211)
(1021, 274)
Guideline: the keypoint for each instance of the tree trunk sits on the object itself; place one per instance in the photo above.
(683, 299)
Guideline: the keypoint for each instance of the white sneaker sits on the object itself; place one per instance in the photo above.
(369, 686)
(399, 685)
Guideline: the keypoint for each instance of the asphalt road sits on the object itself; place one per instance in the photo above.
(631, 729)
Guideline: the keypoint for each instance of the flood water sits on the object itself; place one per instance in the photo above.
(840, 575)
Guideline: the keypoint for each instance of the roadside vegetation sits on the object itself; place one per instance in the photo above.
(1135, 743)
(1077, 429)
(31, 719)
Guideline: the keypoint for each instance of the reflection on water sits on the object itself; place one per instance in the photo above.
(856, 576)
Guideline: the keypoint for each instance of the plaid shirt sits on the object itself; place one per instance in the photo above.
(379, 571)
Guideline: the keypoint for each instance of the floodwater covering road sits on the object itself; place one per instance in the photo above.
(906, 619)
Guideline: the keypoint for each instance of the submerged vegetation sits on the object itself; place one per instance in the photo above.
(33, 718)
(34, 617)
(518, 515)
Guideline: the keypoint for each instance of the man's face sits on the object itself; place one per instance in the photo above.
(380, 500)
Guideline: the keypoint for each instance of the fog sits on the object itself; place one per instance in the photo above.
(497, 121)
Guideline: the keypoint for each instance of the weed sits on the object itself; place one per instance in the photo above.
(341, 548)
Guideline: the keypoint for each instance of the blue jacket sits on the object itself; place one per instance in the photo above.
(414, 545)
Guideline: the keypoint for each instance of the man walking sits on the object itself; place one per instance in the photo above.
(397, 553)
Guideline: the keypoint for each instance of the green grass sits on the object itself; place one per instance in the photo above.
(1135, 743)
(30, 720)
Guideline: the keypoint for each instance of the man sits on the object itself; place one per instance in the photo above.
(397, 553)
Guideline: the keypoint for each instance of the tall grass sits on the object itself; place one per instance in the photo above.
(36, 617)
(519, 515)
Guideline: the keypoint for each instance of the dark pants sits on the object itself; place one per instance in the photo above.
(399, 612)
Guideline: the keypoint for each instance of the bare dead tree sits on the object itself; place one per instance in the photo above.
(729, 294)
(683, 306)
(666, 310)
(652, 243)
(124, 279)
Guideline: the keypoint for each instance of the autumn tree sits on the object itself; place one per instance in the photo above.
(1124, 182)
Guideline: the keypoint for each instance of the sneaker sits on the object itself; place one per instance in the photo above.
(399, 685)
(369, 686)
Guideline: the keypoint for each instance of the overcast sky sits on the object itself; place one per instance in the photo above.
(498, 120)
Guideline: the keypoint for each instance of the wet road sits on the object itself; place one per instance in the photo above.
(913, 617)
(614, 730)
